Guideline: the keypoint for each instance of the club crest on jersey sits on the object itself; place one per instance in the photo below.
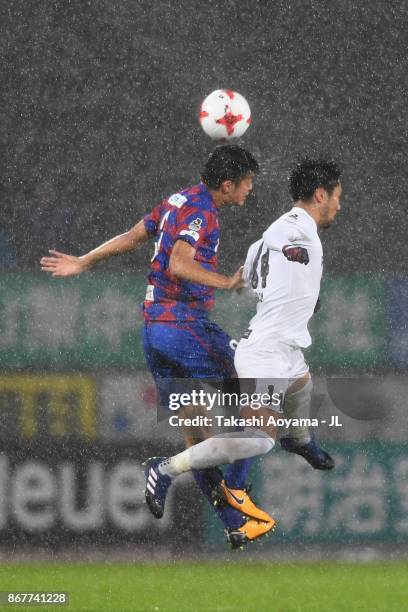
(195, 225)
(177, 200)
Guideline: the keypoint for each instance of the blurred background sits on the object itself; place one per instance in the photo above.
(99, 122)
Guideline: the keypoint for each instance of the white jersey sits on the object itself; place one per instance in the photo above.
(287, 291)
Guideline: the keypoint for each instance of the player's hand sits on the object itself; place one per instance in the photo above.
(236, 281)
(60, 264)
(295, 253)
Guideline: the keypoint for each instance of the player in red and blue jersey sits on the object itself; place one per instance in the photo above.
(179, 339)
(191, 216)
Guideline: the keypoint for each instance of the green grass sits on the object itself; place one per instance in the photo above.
(215, 587)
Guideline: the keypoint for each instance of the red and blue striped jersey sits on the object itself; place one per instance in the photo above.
(189, 215)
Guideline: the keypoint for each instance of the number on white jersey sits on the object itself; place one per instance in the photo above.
(260, 268)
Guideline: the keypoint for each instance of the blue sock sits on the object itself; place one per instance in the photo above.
(231, 518)
(237, 472)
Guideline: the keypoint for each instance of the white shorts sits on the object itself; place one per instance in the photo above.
(273, 364)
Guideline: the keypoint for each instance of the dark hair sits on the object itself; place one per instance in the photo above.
(309, 174)
(228, 163)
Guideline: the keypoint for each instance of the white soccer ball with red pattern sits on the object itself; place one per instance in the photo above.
(225, 115)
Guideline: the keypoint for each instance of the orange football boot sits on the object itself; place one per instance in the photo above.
(240, 500)
(250, 530)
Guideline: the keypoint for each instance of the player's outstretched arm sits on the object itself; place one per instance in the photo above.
(183, 265)
(61, 264)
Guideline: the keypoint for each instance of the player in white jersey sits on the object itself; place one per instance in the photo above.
(287, 294)
(270, 353)
(284, 268)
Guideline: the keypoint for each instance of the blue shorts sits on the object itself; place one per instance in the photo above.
(192, 350)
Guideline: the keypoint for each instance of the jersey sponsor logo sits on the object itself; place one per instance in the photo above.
(177, 200)
(149, 293)
(196, 224)
(191, 233)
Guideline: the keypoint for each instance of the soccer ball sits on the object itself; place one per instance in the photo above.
(225, 114)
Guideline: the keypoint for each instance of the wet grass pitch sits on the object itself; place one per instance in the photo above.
(214, 586)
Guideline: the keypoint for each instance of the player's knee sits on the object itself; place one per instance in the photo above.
(261, 440)
(245, 446)
(267, 444)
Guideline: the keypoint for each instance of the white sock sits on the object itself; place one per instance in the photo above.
(223, 448)
(297, 406)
